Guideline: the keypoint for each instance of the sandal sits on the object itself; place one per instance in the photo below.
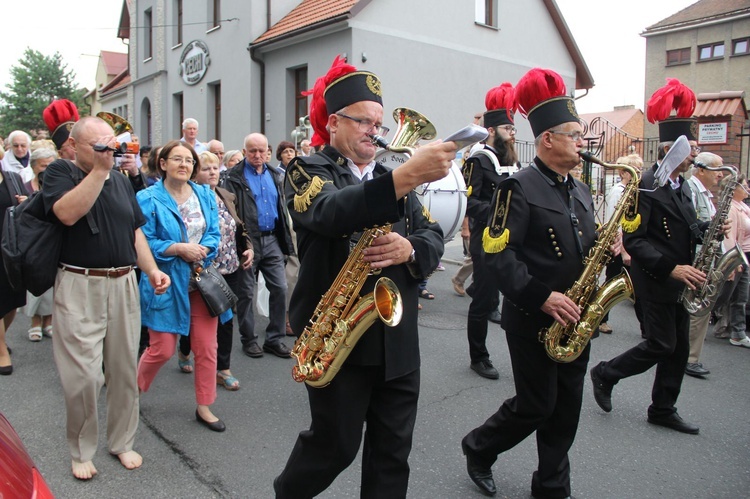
(426, 295)
(227, 381)
(35, 333)
(47, 331)
(185, 363)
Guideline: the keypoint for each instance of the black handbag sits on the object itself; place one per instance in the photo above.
(214, 289)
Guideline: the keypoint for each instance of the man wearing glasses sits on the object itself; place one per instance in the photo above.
(483, 172)
(333, 196)
(661, 251)
(259, 202)
(541, 226)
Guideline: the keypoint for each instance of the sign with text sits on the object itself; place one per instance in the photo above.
(194, 62)
(712, 133)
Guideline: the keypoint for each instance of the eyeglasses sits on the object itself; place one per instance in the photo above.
(365, 125)
(509, 128)
(576, 136)
(180, 161)
(696, 149)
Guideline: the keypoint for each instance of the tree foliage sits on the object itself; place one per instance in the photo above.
(36, 81)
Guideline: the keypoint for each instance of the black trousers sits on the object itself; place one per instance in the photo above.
(485, 298)
(548, 401)
(357, 395)
(224, 331)
(667, 347)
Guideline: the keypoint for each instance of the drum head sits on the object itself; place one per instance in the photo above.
(390, 159)
(446, 201)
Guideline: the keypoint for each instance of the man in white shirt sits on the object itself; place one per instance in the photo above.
(190, 135)
(702, 182)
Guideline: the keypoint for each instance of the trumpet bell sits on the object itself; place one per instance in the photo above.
(412, 127)
(119, 124)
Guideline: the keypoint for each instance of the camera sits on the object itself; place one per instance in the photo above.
(120, 148)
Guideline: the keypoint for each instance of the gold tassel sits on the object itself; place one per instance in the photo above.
(468, 192)
(494, 244)
(631, 226)
(303, 200)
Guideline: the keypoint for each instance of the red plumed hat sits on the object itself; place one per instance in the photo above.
(541, 97)
(501, 106)
(680, 98)
(341, 86)
(60, 116)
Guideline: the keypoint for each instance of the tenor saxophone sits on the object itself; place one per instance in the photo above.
(565, 343)
(342, 316)
(710, 259)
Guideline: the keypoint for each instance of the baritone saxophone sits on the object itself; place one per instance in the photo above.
(566, 343)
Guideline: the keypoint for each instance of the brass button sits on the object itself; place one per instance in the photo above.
(559, 255)
(580, 233)
(550, 230)
(552, 236)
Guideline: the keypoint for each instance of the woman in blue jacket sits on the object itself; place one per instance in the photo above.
(182, 229)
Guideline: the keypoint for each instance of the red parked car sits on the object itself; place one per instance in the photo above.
(19, 477)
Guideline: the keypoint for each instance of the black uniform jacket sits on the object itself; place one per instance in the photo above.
(542, 253)
(480, 175)
(247, 210)
(324, 227)
(662, 241)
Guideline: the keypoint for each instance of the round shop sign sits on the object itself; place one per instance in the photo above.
(194, 62)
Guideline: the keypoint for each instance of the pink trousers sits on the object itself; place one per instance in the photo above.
(203, 343)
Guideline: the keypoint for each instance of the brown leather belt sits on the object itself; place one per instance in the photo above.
(111, 272)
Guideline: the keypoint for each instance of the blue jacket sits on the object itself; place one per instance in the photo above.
(170, 312)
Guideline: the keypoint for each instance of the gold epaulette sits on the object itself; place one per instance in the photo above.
(305, 187)
(496, 235)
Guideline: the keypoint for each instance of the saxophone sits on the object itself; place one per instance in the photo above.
(710, 260)
(342, 316)
(565, 343)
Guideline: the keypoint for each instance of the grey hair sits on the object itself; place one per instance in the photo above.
(709, 159)
(16, 133)
(190, 121)
(42, 153)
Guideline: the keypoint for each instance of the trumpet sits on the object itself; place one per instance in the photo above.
(412, 127)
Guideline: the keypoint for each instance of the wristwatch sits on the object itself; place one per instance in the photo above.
(413, 256)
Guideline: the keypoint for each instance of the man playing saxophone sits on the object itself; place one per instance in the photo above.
(333, 197)
(661, 251)
(540, 229)
(702, 182)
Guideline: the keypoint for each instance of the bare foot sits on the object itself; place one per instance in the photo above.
(84, 471)
(130, 459)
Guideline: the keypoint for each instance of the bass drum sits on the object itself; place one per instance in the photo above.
(445, 199)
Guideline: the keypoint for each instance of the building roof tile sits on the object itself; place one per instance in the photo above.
(308, 13)
(700, 12)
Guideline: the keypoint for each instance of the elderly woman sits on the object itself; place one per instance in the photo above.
(739, 214)
(39, 308)
(182, 229)
(235, 245)
(285, 152)
(231, 158)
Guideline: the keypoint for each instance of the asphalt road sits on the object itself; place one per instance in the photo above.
(616, 455)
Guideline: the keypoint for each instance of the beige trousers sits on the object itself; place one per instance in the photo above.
(87, 311)
(698, 330)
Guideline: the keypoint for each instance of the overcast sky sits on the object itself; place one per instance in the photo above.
(606, 32)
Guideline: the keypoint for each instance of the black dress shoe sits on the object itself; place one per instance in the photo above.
(495, 317)
(252, 350)
(279, 350)
(674, 422)
(696, 370)
(481, 476)
(6, 370)
(218, 425)
(485, 369)
(602, 391)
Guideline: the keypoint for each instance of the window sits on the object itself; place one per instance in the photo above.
(148, 35)
(179, 112)
(146, 122)
(714, 51)
(486, 12)
(300, 101)
(216, 14)
(217, 110)
(741, 46)
(125, 111)
(679, 56)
